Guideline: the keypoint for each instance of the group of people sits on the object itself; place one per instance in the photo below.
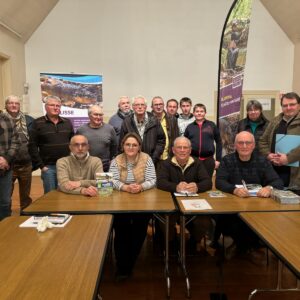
(175, 152)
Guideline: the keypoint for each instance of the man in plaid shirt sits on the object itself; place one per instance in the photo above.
(9, 145)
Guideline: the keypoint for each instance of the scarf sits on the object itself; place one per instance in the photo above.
(20, 121)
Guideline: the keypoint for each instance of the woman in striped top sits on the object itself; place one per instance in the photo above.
(133, 172)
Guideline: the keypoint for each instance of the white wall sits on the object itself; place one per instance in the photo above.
(153, 47)
(12, 47)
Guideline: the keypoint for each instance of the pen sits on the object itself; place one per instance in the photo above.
(244, 184)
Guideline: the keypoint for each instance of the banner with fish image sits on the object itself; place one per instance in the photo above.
(76, 91)
(232, 60)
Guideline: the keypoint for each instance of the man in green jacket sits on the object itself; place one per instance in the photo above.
(286, 123)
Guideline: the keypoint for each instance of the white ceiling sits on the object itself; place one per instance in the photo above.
(286, 13)
(23, 17)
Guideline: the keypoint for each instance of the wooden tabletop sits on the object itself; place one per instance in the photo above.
(233, 204)
(152, 200)
(60, 263)
(280, 231)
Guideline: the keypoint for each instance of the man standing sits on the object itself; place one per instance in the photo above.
(184, 174)
(9, 144)
(286, 123)
(117, 119)
(244, 166)
(186, 117)
(102, 137)
(76, 173)
(147, 127)
(22, 167)
(49, 140)
(168, 124)
(172, 108)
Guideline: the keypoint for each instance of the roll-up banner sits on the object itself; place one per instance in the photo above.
(232, 60)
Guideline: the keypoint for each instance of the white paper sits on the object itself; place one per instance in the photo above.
(195, 204)
(31, 222)
(186, 194)
(252, 188)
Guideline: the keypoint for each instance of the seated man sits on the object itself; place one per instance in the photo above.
(244, 166)
(76, 173)
(183, 173)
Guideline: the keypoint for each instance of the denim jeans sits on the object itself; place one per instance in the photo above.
(49, 178)
(5, 194)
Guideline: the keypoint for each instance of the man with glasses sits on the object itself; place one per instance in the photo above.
(76, 173)
(48, 141)
(101, 136)
(286, 123)
(237, 170)
(168, 124)
(184, 174)
(147, 127)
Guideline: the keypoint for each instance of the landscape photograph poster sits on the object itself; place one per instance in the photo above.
(76, 91)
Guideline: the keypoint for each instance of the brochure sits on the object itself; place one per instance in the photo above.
(195, 204)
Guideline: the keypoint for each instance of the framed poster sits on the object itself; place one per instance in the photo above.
(76, 91)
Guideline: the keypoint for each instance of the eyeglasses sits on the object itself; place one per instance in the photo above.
(139, 104)
(242, 143)
(54, 105)
(97, 115)
(77, 145)
(131, 145)
(289, 105)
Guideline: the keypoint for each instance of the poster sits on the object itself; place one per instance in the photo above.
(76, 91)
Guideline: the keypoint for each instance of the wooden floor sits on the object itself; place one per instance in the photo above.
(236, 278)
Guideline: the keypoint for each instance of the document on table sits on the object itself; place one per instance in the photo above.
(195, 204)
(32, 222)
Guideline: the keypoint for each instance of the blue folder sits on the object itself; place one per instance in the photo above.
(285, 143)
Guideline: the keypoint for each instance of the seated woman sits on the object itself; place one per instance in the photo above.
(133, 172)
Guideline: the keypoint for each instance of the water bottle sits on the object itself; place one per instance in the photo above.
(104, 183)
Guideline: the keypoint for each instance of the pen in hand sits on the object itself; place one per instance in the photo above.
(244, 185)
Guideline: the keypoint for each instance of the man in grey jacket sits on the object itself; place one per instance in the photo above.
(124, 110)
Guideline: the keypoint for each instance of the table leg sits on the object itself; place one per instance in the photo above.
(182, 255)
(166, 221)
(279, 282)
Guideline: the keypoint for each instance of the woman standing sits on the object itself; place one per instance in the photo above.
(133, 172)
(255, 122)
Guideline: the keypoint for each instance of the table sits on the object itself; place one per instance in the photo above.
(151, 201)
(60, 263)
(229, 204)
(280, 231)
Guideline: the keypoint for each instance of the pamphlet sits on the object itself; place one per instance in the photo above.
(216, 194)
(58, 220)
(195, 204)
